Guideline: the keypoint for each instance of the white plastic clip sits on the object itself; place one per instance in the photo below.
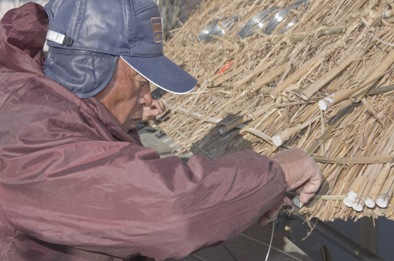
(59, 38)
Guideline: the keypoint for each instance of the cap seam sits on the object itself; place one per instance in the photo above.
(80, 10)
(131, 34)
(110, 52)
(67, 52)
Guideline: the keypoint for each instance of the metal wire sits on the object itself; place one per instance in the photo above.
(270, 245)
(265, 244)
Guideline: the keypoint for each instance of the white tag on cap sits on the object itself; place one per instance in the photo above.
(59, 38)
(55, 37)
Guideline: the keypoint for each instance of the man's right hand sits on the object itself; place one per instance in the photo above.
(302, 173)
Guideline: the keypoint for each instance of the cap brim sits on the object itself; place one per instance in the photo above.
(162, 72)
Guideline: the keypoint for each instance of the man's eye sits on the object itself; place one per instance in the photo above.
(144, 84)
(141, 83)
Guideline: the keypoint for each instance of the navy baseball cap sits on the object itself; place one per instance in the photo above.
(87, 37)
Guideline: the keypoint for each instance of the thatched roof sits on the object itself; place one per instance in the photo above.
(324, 85)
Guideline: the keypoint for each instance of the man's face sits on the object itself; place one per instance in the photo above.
(126, 95)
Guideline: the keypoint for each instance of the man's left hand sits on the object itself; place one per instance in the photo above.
(156, 108)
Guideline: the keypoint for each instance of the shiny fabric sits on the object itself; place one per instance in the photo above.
(73, 186)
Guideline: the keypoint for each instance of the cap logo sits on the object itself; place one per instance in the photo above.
(157, 29)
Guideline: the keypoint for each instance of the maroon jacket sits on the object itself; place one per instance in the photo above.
(73, 185)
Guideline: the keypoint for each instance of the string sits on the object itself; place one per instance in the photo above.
(270, 245)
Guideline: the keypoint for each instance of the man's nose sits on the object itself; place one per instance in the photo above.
(146, 96)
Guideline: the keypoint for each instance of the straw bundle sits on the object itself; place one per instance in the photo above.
(321, 80)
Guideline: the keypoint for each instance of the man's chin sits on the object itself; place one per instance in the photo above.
(129, 125)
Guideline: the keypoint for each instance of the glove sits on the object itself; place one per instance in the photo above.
(302, 173)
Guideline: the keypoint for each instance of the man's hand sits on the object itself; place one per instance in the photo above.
(301, 173)
(149, 113)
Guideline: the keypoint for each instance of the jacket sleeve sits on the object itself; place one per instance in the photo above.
(123, 199)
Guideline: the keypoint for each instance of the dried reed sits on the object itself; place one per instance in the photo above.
(256, 87)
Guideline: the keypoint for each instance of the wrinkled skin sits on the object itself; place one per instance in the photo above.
(128, 97)
(150, 112)
(302, 173)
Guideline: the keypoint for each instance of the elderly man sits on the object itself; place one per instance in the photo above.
(75, 181)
